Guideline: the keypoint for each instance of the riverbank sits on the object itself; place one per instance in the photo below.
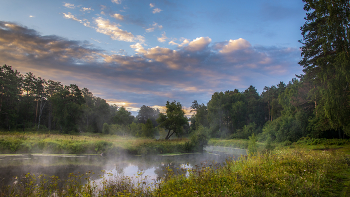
(31, 143)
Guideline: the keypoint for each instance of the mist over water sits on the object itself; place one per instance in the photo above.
(153, 167)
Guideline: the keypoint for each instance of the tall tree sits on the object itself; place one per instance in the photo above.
(326, 60)
(173, 120)
(10, 91)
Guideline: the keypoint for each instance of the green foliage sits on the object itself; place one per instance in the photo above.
(148, 129)
(284, 173)
(123, 117)
(105, 129)
(174, 120)
(252, 146)
(325, 59)
(199, 139)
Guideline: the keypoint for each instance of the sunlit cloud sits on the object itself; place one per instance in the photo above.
(184, 42)
(69, 5)
(85, 22)
(118, 16)
(151, 5)
(234, 45)
(117, 1)
(84, 9)
(163, 38)
(31, 16)
(113, 30)
(198, 44)
(156, 10)
(154, 26)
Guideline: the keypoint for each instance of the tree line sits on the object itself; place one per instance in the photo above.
(28, 102)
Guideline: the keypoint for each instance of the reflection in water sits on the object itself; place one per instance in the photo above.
(136, 167)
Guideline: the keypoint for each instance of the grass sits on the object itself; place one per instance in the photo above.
(86, 144)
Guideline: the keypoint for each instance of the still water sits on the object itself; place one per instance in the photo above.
(151, 167)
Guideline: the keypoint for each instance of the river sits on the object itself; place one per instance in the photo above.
(152, 167)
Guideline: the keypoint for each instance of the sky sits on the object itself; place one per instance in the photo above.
(139, 52)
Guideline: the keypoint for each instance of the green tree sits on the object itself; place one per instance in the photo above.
(146, 113)
(123, 117)
(10, 91)
(326, 60)
(173, 120)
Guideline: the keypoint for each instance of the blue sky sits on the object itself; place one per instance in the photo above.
(140, 52)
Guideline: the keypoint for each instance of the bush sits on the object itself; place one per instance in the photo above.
(105, 128)
(252, 146)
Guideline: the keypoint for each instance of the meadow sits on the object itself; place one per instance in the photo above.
(29, 143)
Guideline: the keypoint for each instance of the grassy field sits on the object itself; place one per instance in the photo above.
(11, 143)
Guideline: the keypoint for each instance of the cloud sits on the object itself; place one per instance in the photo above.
(154, 26)
(155, 74)
(68, 5)
(156, 10)
(118, 16)
(113, 30)
(151, 5)
(85, 22)
(31, 16)
(84, 9)
(234, 45)
(184, 42)
(198, 44)
(117, 1)
(138, 48)
(163, 38)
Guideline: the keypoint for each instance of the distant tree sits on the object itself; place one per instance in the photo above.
(10, 91)
(173, 120)
(67, 107)
(146, 113)
(201, 116)
(123, 117)
(148, 129)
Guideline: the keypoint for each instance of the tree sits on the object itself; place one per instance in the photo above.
(326, 60)
(123, 117)
(201, 116)
(146, 113)
(173, 120)
(10, 91)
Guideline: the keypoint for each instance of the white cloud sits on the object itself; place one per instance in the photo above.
(138, 48)
(163, 38)
(156, 10)
(235, 45)
(184, 42)
(112, 29)
(154, 26)
(69, 5)
(84, 9)
(117, 1)
(31, 16)
(85, 22)
(151, 5)
(118, 16)
(198, 44)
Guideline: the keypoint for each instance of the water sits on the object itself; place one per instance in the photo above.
(152, 167)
